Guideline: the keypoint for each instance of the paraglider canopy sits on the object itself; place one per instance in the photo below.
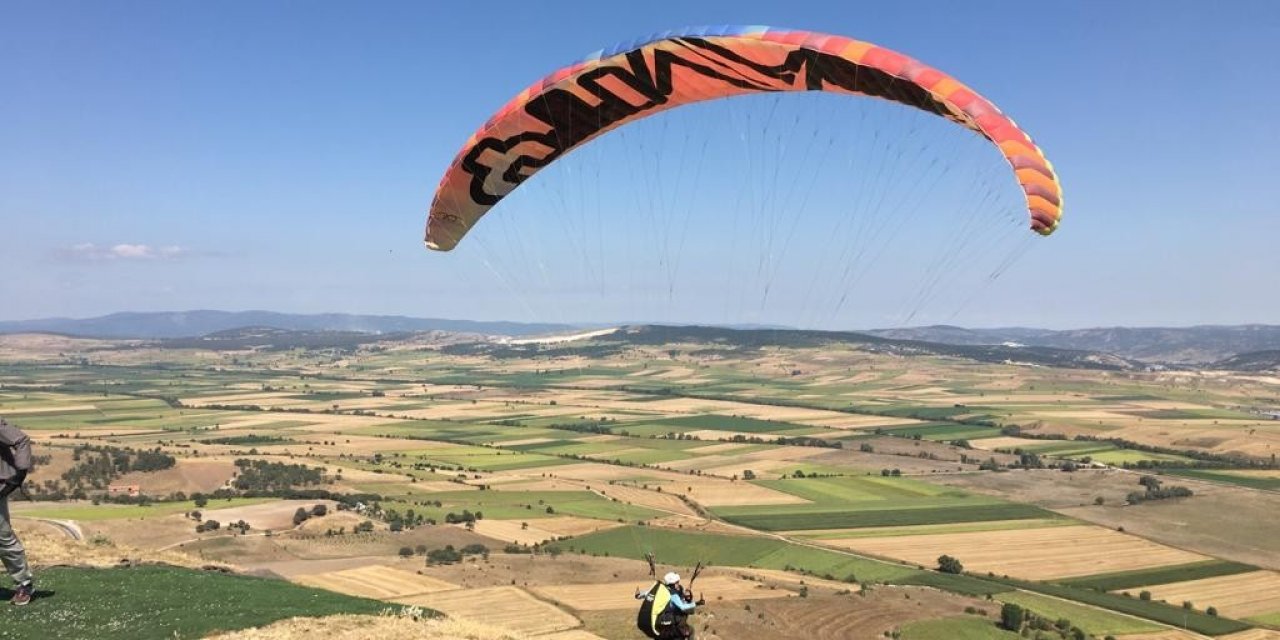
(633, 80)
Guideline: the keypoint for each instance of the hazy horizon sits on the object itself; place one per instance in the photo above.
(588, 324)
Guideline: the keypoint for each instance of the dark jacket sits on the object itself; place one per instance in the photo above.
(15, 453)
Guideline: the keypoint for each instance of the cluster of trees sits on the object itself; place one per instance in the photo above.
(535, 548)
(407, 520)
(95, 467)
(804, 441)
(891, 472)
(1019, 620)
(948, 564)
(363, 527)
(261, 475)
(1156, 491)
(449, 555)
(249, 440)
(302, 515)
(465, 516)
(599, 428)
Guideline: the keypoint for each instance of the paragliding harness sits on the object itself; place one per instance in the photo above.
(658, 618)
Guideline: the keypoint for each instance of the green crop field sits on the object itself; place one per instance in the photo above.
(944, 431)
(681, 548)
(154, 602)
(918, 412)
(1237, 478)
(963, 584)
(885, 517)
(1150, 610)
(1270, 619)
(1092, 620)
(830, 564)
(1129, 456)
(90, 512)
(518, 505)
(727, 423)
(955, 629)
(930, 529)
(646, 456)
(872, 501)
(1160, 575)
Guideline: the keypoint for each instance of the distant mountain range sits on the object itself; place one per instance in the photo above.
(1243, 347)
(192, 324)
(1176, 345)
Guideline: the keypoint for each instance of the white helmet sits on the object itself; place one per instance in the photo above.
(671, 578)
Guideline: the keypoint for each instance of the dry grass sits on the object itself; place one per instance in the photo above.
(189, 475)
(376, 581)
(271, 515)
(508, 608)
(539, 530)
(645, 498)
(1002, 442)
(1037, 554)
(1175, 634)
(46, 548)
(1253, 634)
(389, 627)
(1238, 596)
(722, 493)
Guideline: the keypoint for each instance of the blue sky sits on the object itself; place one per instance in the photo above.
(281, 155)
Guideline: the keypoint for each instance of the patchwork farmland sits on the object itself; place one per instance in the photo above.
(418, 475)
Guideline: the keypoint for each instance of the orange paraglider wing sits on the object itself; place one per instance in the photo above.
(637, 79)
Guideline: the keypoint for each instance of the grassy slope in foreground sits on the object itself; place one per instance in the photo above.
(681, 548)
(164, 602)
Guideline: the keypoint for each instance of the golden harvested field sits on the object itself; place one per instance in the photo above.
(539, 529)
(377, 581)
(1253, 634)
(856, 422)
(620, 595)
(189, 475)
(506, 607)
(573, 526)
(705, 490)
(1037, 554)
(645, 498)
(1238, 596)
(384, 627)
(1171, 634)
(573, 634)
(722, 493)
(757, 466)
(269, 515)
(1255, 473)
(1002, 442)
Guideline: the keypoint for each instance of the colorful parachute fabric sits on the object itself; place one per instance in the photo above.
(637, 79)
